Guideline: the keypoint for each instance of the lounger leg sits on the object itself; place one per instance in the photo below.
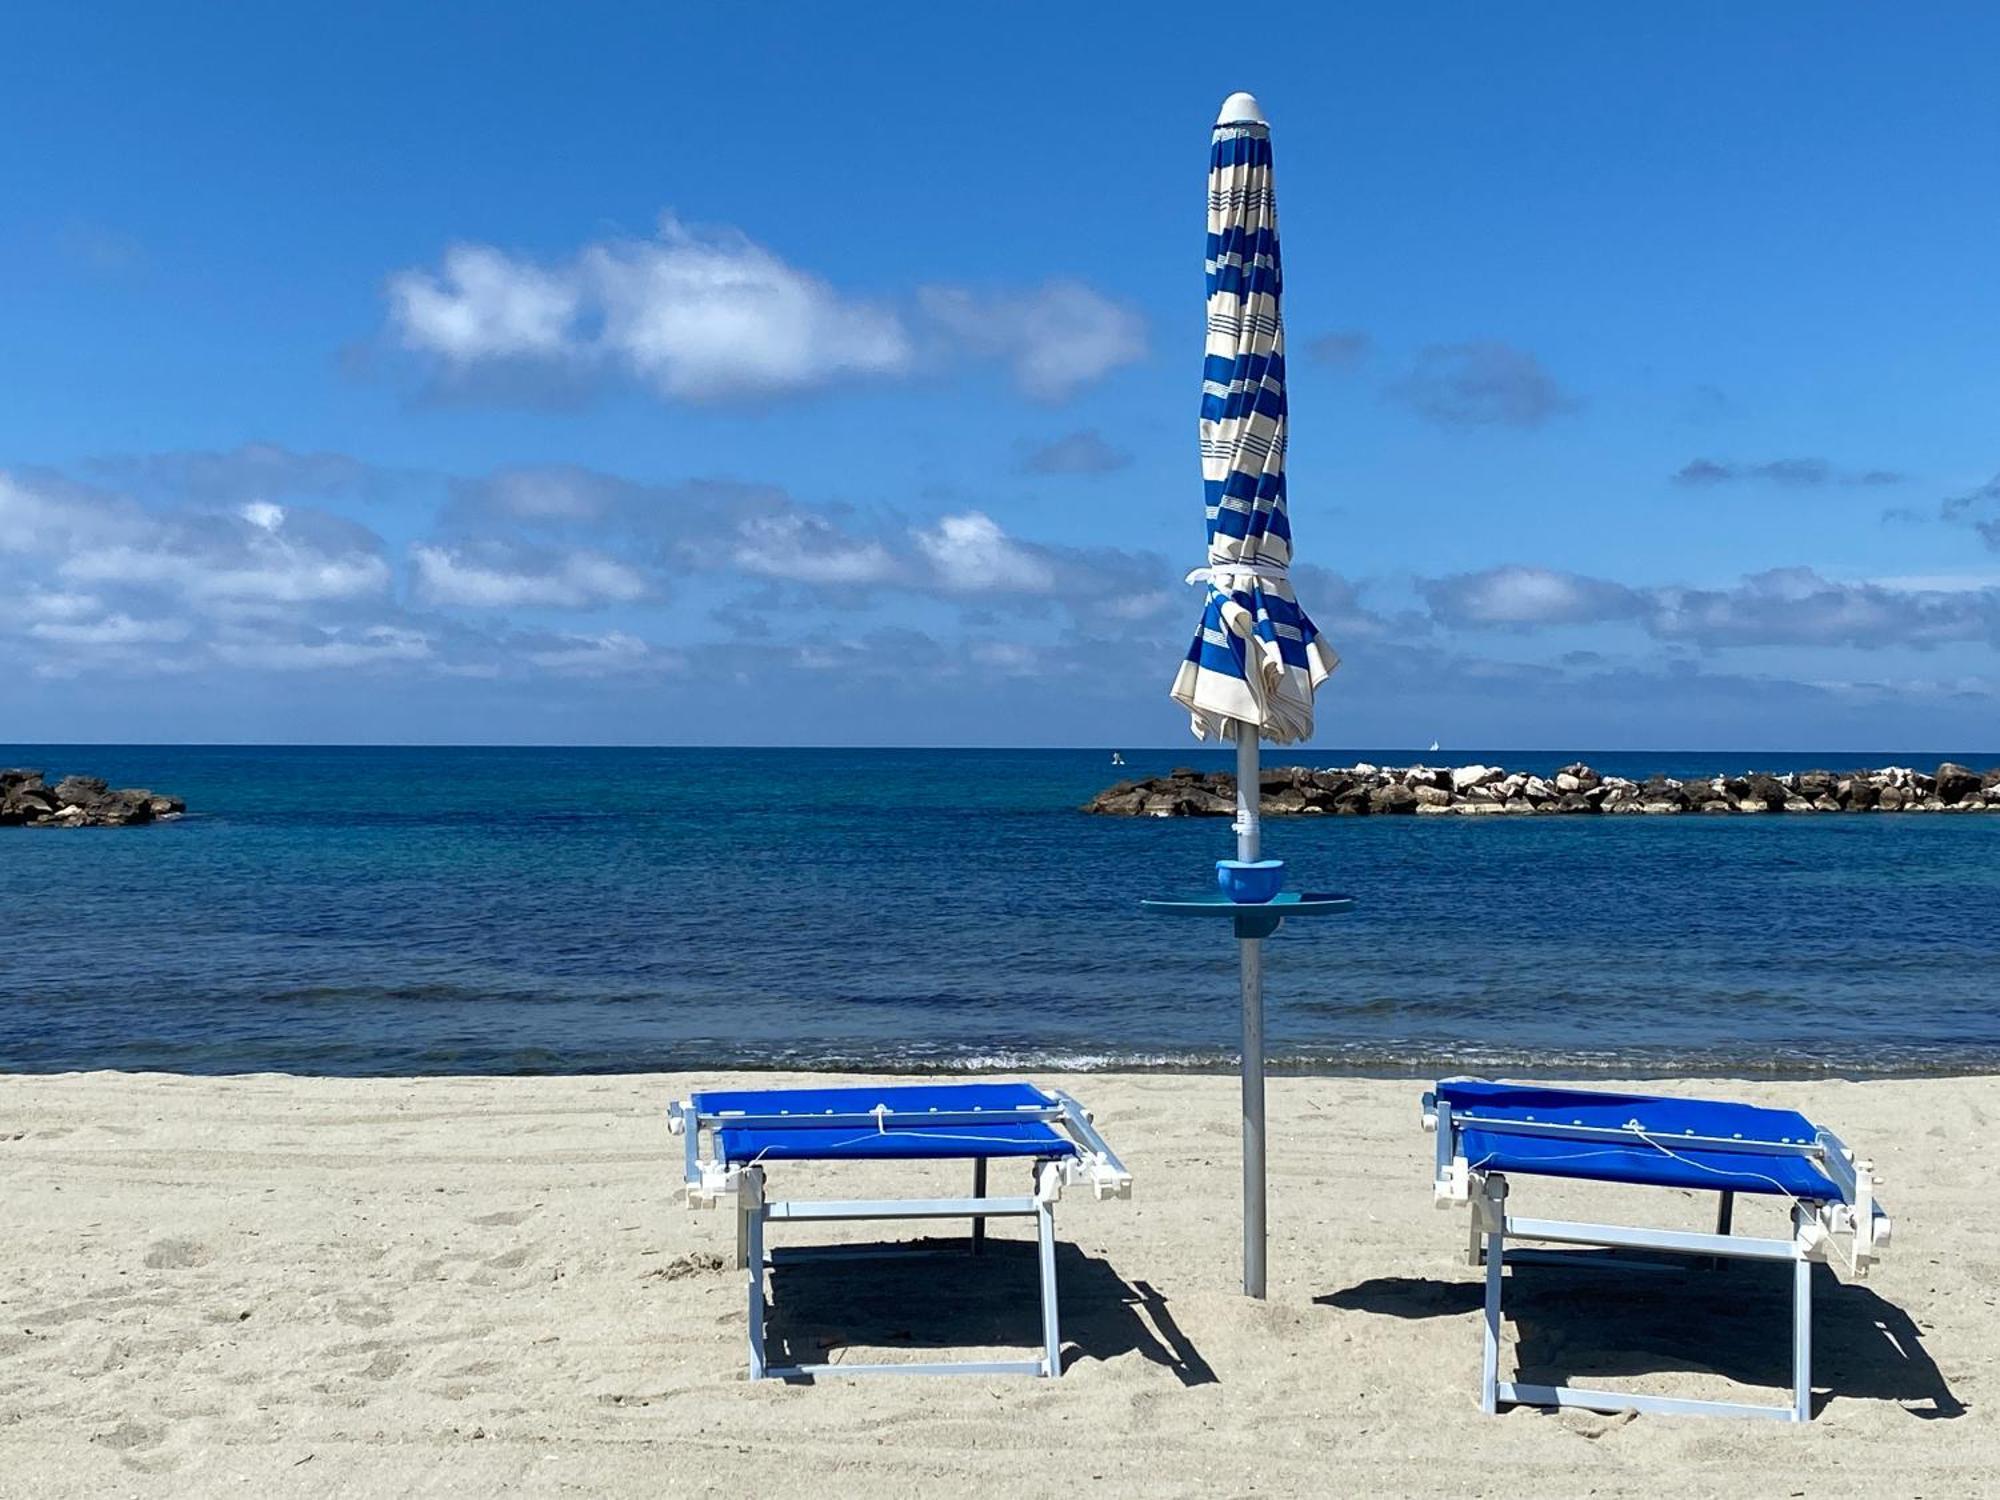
(1489, 1368)
(742, 1233)
(1725, 1219)
(978, 1191)
(1045, 1228)
(1802, 1340)
(751, 1194)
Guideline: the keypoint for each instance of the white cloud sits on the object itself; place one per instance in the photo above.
(805, 549)
(377, 645)
(1526, 596)
(701, 314)
(276, 571)
(1055, 338)
(1009, 658)
(109, 630)
(485, 305)
(971, 554)
(696, 314)
(574, 580)
(598, 655)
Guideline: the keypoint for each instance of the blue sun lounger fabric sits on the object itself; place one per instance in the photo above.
(733, 1138)
(1490, 1135)
(902, 1134)
(1655, 1156)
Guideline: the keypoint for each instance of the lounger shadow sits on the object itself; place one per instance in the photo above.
(938, 1295)
(1734, 1321)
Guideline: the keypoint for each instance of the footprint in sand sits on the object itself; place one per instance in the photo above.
(176, 1255)
(510, 1260)
(129, 1435)
(505, 1220)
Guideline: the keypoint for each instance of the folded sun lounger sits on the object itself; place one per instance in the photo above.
(748, 1130)
(1489, 1132)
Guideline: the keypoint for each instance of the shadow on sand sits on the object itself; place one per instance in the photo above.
(936, 1295)
(1574, 1324)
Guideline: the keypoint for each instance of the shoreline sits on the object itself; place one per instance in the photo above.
(461, 1285)
(1627, 1070)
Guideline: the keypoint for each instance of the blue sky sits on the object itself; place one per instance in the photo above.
(365, 377)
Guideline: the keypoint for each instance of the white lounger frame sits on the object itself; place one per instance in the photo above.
(708, 1179)
(1853, 1232)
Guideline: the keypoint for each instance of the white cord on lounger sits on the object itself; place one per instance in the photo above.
(1642, 1134)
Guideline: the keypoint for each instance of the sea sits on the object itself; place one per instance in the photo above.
(396, 911)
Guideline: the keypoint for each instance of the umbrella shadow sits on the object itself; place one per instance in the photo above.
(935, 1294)
(1574, 1325)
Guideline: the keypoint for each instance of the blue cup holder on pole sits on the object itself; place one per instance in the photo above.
(1250, 881)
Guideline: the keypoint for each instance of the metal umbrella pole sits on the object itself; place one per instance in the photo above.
(1251, 952)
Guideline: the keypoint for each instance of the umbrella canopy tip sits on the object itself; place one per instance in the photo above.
(1241, 109)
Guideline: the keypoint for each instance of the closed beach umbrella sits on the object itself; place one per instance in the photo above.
(1257, 659)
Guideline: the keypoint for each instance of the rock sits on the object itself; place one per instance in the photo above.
(1393, 798)
(1663, 789)
(1296, 791)
(19, 776)
(1857, 793)
(1955, 782)
(1768, 790)
(80, 791)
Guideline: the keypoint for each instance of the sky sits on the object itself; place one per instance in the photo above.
(829, 375)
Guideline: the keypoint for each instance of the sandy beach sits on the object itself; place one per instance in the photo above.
(309, 1286)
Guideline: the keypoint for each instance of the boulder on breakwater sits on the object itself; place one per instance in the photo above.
(1574, 790)
(26, 799)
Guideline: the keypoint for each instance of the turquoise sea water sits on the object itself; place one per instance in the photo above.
(514, 910)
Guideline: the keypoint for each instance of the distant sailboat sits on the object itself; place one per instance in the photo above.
(1117, 759)
(1435, 745)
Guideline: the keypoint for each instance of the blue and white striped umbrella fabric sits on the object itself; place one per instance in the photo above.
(1257, 658)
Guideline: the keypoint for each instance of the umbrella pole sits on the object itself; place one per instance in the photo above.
(1248, 791)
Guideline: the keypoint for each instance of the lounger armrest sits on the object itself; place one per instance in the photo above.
(1097, 1166)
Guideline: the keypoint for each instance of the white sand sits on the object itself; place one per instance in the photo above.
(458, 1287)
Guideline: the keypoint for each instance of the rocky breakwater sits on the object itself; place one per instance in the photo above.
(78, 802)
(1574, 790)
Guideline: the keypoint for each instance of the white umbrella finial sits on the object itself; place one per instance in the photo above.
(1241, 109)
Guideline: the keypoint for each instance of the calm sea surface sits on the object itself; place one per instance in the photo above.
(374, 911)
